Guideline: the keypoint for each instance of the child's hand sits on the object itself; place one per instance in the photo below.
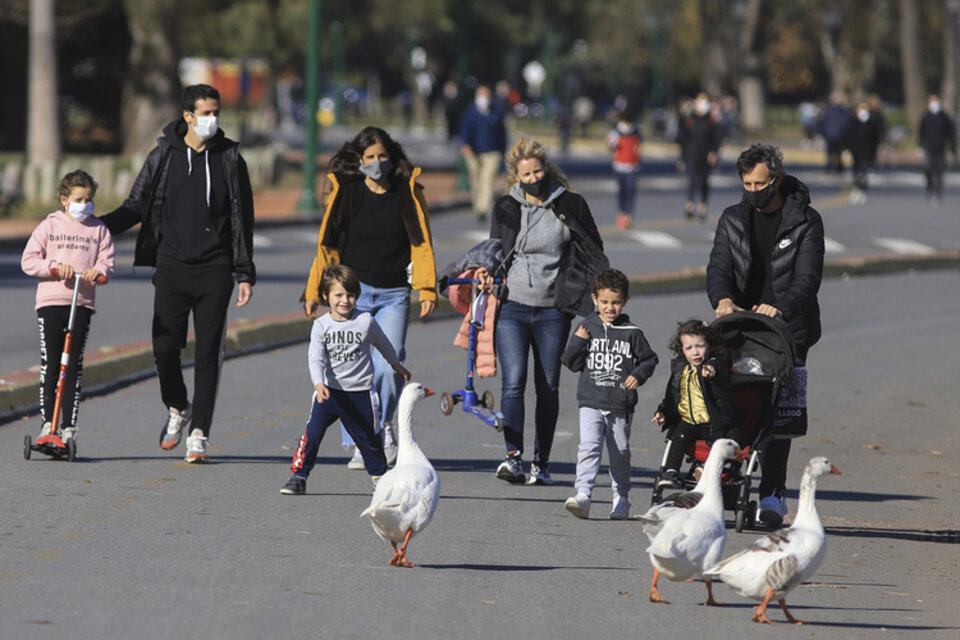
(90, 275)
(631, 382)
(658, 418)
(65, 271)
(402, 372)
(708, 371)
(322, 392)
(582, 332)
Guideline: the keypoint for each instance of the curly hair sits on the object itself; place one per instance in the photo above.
(766, 154)
(78, 178)
(526, 149)
(696, 327)
(612, 280)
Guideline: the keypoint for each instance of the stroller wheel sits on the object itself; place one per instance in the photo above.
(446, 403)
(487, 400)
(741, 518)
(27, 447)
(752, 514)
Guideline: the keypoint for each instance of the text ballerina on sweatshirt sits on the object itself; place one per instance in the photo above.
(59, 239)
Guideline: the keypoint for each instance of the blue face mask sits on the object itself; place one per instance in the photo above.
(377, 169)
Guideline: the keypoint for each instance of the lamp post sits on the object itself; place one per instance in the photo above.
(308, 196)
(339, 69)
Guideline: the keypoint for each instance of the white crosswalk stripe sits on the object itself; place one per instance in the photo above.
(475, 235)
(904, 246)
(261, 241)
(656, 239)
(832, 246)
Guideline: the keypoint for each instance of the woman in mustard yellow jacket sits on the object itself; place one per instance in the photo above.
(375, 221)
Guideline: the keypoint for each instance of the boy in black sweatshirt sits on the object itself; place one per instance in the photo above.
(614, 359)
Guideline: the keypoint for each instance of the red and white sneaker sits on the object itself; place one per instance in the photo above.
(196, 447)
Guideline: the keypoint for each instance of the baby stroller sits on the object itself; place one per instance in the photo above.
(760, 350)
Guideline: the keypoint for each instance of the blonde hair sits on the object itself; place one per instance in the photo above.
(526, 149)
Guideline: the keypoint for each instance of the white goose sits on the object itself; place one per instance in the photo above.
(778, 562)
(692, 539)
(406, 496)
(652, 521)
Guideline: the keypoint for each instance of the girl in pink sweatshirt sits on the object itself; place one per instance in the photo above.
(76, 244)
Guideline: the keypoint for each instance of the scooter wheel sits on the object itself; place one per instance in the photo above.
(71, 450)
(488, 400)
(27, 447)
(446, 403)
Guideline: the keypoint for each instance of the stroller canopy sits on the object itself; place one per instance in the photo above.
(758, 345)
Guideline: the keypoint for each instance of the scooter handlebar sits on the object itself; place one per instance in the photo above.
(101, 279)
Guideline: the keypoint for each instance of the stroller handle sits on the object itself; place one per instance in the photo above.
(101, 279)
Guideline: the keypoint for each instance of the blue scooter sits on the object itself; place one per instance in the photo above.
(481, 406)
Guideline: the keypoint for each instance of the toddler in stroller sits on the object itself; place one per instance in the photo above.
(734, 400)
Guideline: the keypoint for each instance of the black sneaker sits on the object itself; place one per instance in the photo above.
(511, 469)
(669, 480)
(296, 486)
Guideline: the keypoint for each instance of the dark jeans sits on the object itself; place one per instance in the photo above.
(357, 411)
(178, 291)
(626, 187)
(698, 182)
(52, 324)
(545, 329)
(934, 172)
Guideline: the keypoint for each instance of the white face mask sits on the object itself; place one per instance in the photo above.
(80, 211)
(482, 102)
(703, 107)
(934, 107)
(864, 115)
(206, 126)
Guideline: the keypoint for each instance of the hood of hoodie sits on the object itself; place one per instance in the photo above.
(518, 194)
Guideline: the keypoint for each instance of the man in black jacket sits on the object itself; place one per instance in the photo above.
(936, 135)
(768, 256)
(194, 204)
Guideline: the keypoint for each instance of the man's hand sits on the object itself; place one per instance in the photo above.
(767, 310)
(427, 307)
(726, 307)
(310, 308)
(244, 294)
(486, 280)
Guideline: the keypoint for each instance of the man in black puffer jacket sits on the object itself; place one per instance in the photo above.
(768, 256)
(194, 204)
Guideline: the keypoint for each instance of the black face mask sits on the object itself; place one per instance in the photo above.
(762, 197)
(538, 189)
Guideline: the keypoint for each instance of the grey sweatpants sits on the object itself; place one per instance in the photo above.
(595, 427)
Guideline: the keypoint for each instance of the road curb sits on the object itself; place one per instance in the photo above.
(110, 367)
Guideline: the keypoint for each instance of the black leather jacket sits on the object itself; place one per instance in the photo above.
(797, 261)
(145, 205)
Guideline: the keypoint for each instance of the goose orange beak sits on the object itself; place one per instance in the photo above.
(835, 471)
(427, 392)
(739, 455)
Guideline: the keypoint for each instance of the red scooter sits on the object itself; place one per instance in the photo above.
(52, 444)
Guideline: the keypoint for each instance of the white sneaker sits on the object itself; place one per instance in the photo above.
(356, 462)
(196, 447)
(389, 444)
(621, 508)
(70, 433)
(539, 475)
(578, 505)
(771, 511)
(173, 428)
(45, 429)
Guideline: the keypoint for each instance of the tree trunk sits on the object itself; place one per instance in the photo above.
(43, 126)
(753, 106)
(910, 63)
(718, 47)
(151, 88)
(950, 86)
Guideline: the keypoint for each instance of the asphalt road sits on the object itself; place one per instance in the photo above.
(129, 541)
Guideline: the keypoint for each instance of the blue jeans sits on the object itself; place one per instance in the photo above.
(391, 309)
(626, 186)
(520, 327)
